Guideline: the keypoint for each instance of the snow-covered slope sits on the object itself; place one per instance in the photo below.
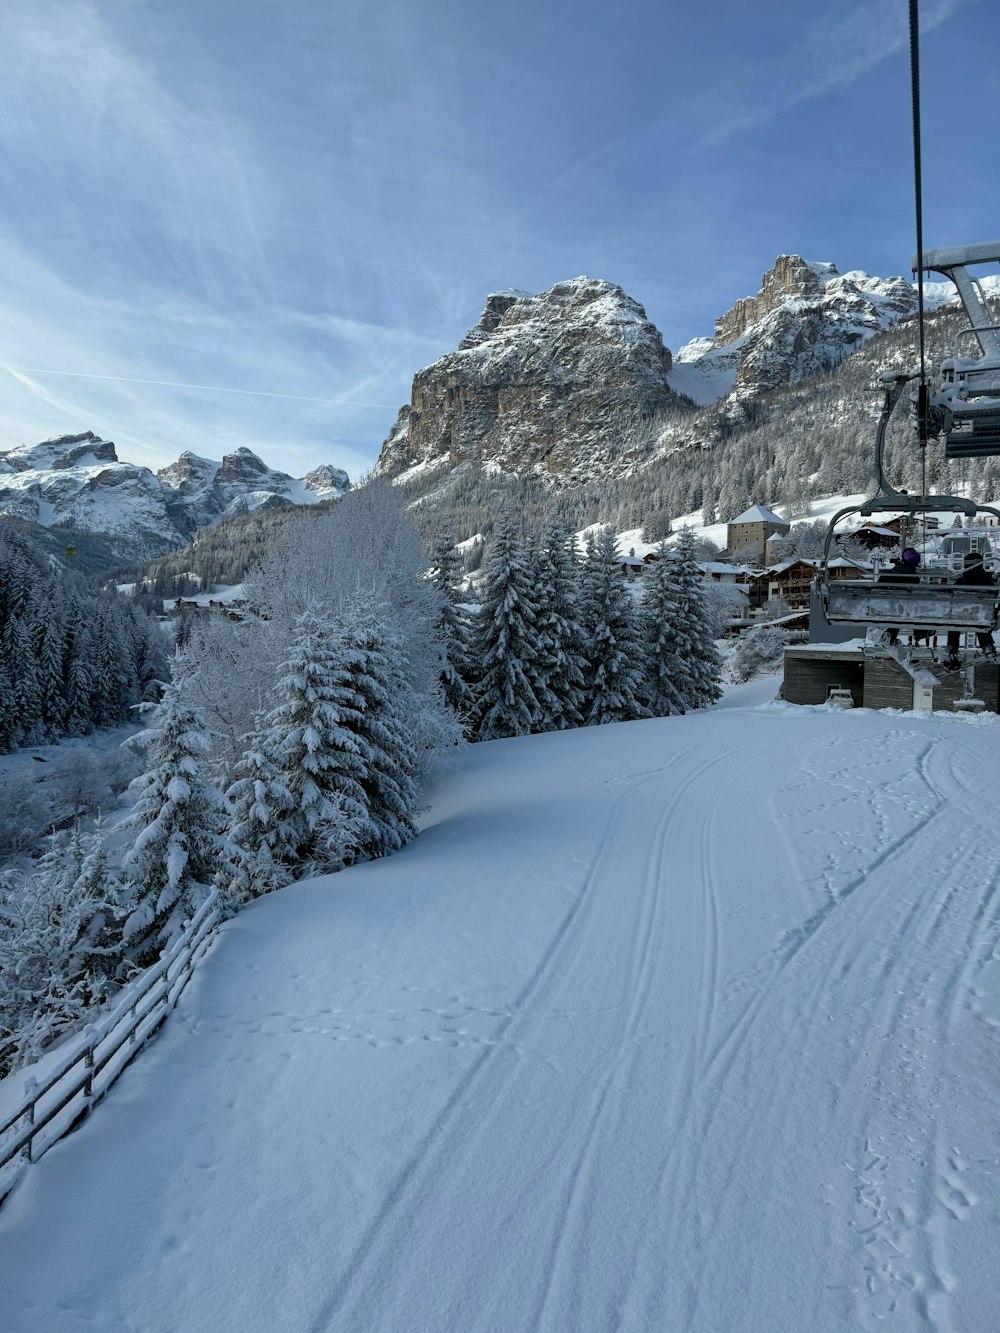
(686, 1024)
(78, 481)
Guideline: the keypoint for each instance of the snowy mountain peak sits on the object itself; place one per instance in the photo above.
(326, 481)
(805, 319)
(64, 451)
(79, 481)
(533, 387)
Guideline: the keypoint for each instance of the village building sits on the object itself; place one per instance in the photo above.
(791, 581)
(631, 565)
(748, 533)
(813, 670)
(873, 536)
(721, 572)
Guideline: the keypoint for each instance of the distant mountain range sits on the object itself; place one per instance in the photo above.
(78, 482)
(571, 386)
(576, 384)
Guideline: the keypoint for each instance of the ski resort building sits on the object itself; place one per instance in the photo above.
(813, 670)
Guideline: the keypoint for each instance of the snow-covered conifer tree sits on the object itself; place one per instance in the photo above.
(310, 748)
(261, 845)
(176, 826)
(23, 670)
(687, 634)
(52, 688)
(79, 675)
(114, 681)
(507, 651)
(378, 675)
(560, 633)
(454, 628)
(615, 681)
(659, 611)
(8, 726)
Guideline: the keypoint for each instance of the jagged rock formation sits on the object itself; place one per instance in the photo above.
(77, 481)
(556, 384)
(805, 319)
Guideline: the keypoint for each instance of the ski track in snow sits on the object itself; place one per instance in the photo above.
(710, 1063)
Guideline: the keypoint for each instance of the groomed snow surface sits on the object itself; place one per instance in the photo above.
(681, 1025)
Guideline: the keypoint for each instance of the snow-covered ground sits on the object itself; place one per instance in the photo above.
(688, 1024)
(33, 763)
(219, 592)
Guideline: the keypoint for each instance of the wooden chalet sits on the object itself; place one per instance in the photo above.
(791, 580)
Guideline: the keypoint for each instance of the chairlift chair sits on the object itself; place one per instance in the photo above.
(933, 603)
(961, 406)
(964, 403)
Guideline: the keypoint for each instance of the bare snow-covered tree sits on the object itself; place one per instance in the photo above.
(724, 603)
(757, 652)
(58, 943)
(366, 544)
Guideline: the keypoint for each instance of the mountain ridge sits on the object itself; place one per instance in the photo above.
(77, 481)
(575, 381)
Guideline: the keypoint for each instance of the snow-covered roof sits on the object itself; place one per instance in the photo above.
(787, 564)
(759, 514)
(842, 562)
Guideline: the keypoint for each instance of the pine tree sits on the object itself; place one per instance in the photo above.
(27, 712)
(560, 633)
(311, 749)
(176, 823)
(615, 669)
(454, 629)
(379, 680)
(687, 648)
(52, 687)
(659, 611)
(260, 848)
(507, 640)
(79, 674)
(114, 680)
(8, 728)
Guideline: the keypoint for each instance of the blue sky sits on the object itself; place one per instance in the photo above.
(250, 221)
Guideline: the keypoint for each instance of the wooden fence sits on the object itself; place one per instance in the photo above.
(97, 1055)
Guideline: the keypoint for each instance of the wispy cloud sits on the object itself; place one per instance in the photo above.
(838, 46)
(152, 274)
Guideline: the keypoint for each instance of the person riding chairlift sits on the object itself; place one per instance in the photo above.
(976, 574)
(906, 569)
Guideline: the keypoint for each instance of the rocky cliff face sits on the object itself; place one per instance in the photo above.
(553, 383)
(78, 481)
(805, 320)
